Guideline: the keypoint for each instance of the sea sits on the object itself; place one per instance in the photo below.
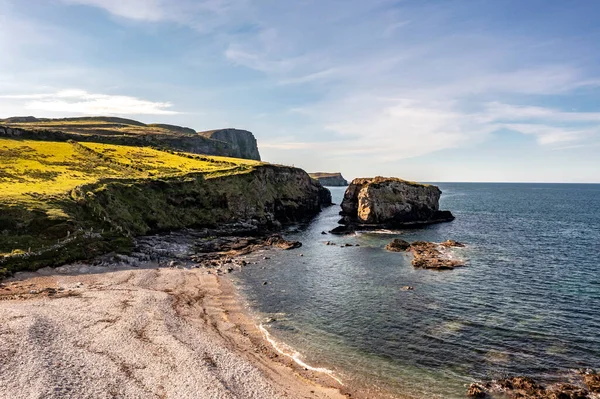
(527, 301)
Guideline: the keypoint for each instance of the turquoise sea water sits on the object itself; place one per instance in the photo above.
(528, 301)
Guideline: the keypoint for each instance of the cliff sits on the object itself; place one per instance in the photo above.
(240, 143)
(391, 202)
(225, 142)
(330, 179)
(63, 201)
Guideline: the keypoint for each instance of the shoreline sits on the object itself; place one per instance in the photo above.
(92, 316)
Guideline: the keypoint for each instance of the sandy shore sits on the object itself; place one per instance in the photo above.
(141, 333)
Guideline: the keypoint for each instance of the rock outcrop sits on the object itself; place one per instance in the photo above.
(240, 143)
(391, 202)
(330, 179)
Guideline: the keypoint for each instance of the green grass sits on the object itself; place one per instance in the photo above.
(31, 170)
(48, 194)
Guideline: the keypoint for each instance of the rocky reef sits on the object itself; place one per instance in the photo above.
(330, 179)
(387, 202)
(526, 388)
(429, 255)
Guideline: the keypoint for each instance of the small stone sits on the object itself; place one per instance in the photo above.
(265, 282)
(408, 288)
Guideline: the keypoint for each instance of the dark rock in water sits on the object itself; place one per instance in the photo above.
(278, 241)
(398, 245)
(476, 391)
(342, 230)
(452, 243)
(391, 202)
(592, 381)
(324, 232)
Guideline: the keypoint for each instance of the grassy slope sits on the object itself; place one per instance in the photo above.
(31, 168)
(43, 186)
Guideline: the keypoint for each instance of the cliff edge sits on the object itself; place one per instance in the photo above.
(241, 143)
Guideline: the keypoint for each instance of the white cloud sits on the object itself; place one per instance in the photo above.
(145, 10)
(551, 135)
(75, 101)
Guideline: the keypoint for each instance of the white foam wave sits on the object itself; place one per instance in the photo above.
(288, 351)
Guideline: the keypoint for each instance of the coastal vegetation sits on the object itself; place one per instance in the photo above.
(62, 201)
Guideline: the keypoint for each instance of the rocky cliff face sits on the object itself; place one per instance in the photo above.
(106, 214)
(330, 179)
(240, 143)
(391, 202)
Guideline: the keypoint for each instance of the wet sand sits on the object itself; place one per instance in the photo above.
(140, 333)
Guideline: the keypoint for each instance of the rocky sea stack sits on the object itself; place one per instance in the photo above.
(389, 202)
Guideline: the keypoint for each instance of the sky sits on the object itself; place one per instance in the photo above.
(449, 90)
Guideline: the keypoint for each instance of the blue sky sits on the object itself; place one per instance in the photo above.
(465, 90)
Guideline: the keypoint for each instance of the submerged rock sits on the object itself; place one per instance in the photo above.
(398, 245)
(527, 388)
(391, 202)
(452, 243)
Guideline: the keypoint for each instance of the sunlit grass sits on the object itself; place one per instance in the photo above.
(30, 168)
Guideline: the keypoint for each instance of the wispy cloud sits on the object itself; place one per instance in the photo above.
(143, 10)
(81, 102)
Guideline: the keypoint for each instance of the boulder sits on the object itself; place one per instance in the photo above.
(391, 202)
